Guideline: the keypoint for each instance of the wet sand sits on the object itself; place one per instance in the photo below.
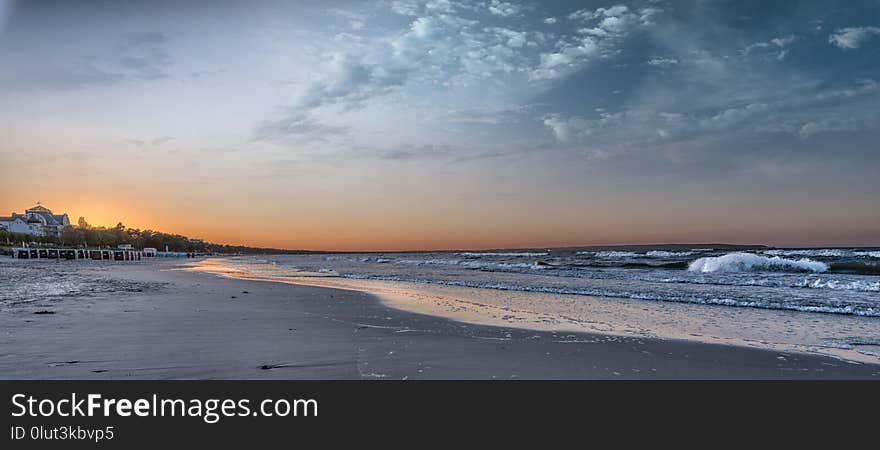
(188, 325)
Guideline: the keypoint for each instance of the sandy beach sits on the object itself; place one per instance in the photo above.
(157, 322)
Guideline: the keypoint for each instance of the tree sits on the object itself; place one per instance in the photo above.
(83, 224)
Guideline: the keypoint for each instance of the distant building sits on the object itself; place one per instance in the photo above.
(36, 221)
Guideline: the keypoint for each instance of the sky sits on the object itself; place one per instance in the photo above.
(446, 124)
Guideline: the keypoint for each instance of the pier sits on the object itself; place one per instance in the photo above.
(69, 254)
(73, 254)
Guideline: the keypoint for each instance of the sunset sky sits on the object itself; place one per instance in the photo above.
(387, 125)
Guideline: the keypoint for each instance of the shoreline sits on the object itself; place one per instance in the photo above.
(202, 326)
(675, 321)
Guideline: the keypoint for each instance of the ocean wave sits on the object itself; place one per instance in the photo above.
(750, 262)
(852, 285)
(471, 264)
(855, 267)
(784, 282)
(665, 254)
(610, 254)
(825, 253)
(510, 254)
(814, 252)
(620, 254)
(833, 308)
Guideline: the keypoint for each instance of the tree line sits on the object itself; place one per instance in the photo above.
(85, 235)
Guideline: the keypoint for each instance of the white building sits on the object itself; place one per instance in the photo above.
(36, 221)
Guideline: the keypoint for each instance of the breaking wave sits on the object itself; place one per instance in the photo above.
(749, 262)
(853, 285)
(610, 254)
(510, 254)
(665, 254)
(833, 308)
(651, 254)
(824, 253)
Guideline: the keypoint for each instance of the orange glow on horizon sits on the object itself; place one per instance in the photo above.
(369, 234)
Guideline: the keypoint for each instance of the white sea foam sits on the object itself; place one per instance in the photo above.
(750, 262)
(868, 254)
(650, 254)
(858, 310)
(472, 264)
(610, 254)
(820, 252)
(511, 254)
(665, 254)
(851, 285)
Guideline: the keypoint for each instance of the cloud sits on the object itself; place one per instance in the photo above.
(503, 9)
(449, 53)
(412, 153)
(142, 56)
(405, 7)
(599, 30)
(566, 129)
(296, 127)
(798, 116)
(586, 14)
(852, 38)
(437, 47)
(845, 123)
(776, 47)
(351, 79)
(515, 39)
(487, 116)
(161, 140)
(134, 57)
(663, 63)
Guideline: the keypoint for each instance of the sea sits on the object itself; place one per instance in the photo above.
(833, 281)
(824, 300)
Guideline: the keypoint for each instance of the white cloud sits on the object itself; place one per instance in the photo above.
(515, 39)
(852, 38)
(663, 63)
(503, 9)
(586, 14)
(838, 124)
(783, 41)
(405, 7)
(297, 127)
(351, 79)
(566, 129)
(602, 27)
(438, 48)
(776, 47)
(550, 20)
